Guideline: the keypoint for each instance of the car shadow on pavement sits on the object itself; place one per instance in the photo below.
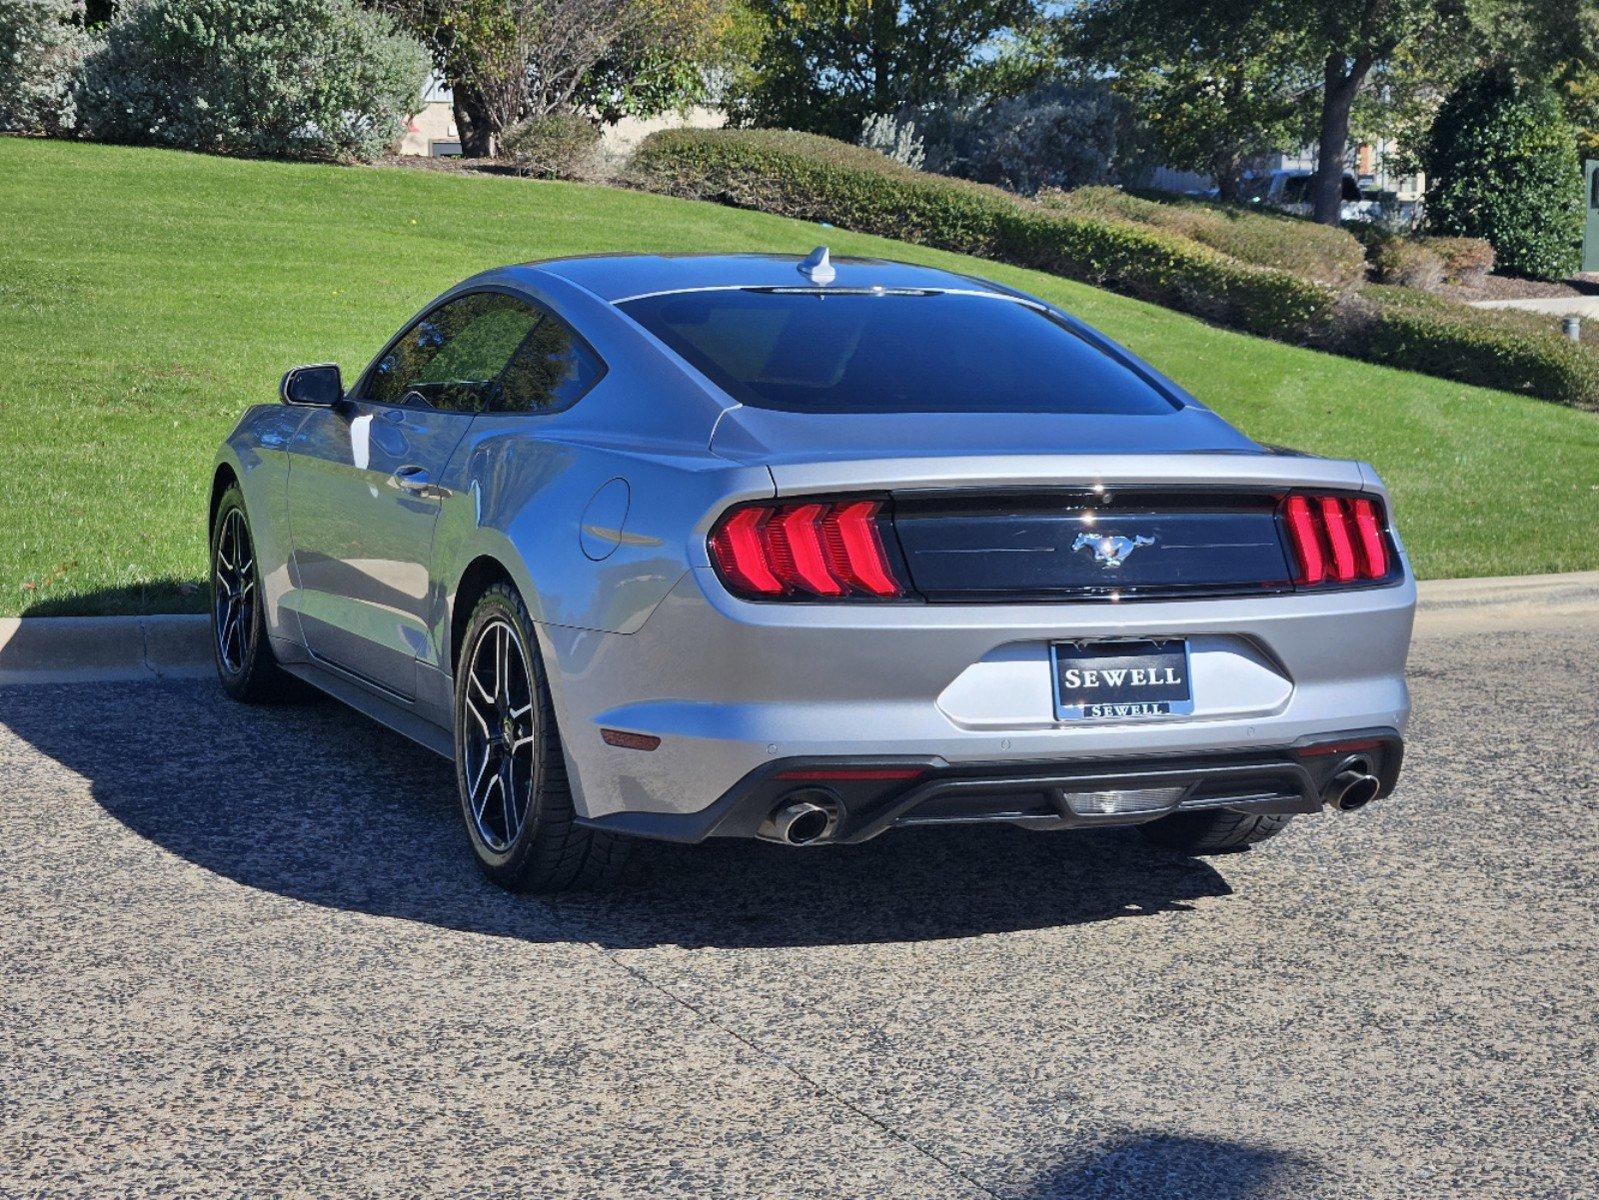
(1154, 1166)
(314, 802)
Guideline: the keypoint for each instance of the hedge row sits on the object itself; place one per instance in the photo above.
(1512, 351)
(1324, 253)
(818, 179)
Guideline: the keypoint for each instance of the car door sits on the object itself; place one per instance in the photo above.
(364, 493)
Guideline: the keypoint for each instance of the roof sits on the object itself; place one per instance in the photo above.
(616, 277)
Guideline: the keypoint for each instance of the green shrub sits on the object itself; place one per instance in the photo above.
(1503, 165)
(1324, 253)
(313, 79)
(1465, 259)
(554, 146)
(1407, 263)
(1512, 351)
(818, 179)
(42, 47)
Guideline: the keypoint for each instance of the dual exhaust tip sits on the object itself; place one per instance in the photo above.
(802, 818)
(1352, 786)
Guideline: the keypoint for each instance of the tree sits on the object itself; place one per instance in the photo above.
(825, 68)
(511, 60)
(1328, 52)
(1504, 167)
(1209, 100)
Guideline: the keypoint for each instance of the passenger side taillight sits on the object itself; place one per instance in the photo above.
(1336, 539)
(805, 550)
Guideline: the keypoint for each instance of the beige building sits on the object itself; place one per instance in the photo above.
(432, 132)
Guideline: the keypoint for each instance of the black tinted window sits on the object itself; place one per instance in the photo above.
(877, 352)
(550, 371)
(454, 356)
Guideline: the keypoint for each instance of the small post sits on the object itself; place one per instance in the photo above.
(1572, 328)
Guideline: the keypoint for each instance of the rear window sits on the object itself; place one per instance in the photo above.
(892, 352)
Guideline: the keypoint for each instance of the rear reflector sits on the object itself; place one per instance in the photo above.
(1337, 748)
(850, 774)
(1336, 539)
(816, 549)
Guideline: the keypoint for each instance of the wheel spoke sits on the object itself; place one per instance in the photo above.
(482, 722)
(508, 799)
(478, 792)
(477, 685)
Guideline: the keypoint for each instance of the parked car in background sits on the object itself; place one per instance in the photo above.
(752, 546)
(1291, 191)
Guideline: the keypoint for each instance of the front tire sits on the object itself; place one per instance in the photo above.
(1218, 832)
(509, 769)
(245, 664)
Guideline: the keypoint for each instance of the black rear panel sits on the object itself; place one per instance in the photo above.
(1131, 544)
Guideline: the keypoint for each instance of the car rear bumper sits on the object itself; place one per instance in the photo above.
(863, 798)
(731, 688)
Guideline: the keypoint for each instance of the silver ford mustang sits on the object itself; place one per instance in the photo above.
(804, 550)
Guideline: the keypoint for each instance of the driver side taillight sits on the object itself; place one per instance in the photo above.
(805, 550)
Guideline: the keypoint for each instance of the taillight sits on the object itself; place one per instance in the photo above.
(811, 549)
(1336, 539)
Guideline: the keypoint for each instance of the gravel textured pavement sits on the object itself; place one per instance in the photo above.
(245, 952)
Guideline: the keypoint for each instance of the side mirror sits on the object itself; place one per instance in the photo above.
(319, 386)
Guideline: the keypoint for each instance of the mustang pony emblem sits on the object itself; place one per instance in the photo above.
(1111, 551)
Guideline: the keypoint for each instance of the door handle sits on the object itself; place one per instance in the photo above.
(414, 479)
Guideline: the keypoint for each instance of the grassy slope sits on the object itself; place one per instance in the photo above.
(147, 297)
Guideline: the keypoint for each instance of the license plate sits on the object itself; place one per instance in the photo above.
(1114, 681)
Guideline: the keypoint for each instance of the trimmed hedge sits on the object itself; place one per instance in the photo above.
(1512, 351)
(1324, 253)
(818, 179)
(1466, 259)
(814, 178)
(1407, 263)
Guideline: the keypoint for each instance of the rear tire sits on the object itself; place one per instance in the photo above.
(510, 771)
(1218, 832)
(245, 664)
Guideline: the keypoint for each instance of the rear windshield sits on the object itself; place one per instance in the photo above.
(893, 352)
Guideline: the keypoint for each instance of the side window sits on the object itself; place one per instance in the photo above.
(454, 356)
(551, 370)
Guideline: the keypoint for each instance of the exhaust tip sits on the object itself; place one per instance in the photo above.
(802, 818)
(1352, 787)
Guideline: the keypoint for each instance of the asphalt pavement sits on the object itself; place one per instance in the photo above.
(245, 953)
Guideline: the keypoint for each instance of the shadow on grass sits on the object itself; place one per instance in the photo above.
(316, 803)
(167, 595)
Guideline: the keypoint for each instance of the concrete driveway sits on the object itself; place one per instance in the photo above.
(245, 952)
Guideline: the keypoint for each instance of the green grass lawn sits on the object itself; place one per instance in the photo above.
(148, 297)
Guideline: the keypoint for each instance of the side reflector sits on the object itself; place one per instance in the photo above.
(629, 741)
(810, 549)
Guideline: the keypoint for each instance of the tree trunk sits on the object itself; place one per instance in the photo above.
(473, 121)
(1337, 99)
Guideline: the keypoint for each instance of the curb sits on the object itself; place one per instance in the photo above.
(1452, 606)
(102, 649)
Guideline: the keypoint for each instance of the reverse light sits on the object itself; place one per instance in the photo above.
(1336, 539)
(812, 549)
